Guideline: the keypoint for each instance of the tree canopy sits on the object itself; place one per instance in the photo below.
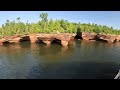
(52, 26)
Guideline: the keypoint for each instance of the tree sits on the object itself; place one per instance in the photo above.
(18, 19)
(64, 24)
(7, 22)
(2, 30)
(44, 19)
(52, 26)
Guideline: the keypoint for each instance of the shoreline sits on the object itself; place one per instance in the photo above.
(61, 38)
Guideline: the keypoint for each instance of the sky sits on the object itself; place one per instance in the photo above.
(108, 18)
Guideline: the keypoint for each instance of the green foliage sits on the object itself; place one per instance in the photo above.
(52, 26)
(44, 20)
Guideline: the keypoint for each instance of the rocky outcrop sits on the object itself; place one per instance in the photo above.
(47, 42)
(108, 38)
(118, 38)
(15, 40)
(88, 36)
(64, 43)
(2, 41)
(48, 38)
(33, 38)
(63, 39)
(25, 38)
(36, 38)
(100, 37)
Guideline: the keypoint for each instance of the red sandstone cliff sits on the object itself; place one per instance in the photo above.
(63, 38)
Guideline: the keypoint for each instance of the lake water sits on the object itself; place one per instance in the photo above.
(81, 60)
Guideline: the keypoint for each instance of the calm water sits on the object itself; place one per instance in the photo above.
(81, 60)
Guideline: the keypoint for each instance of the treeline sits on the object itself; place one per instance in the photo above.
(52, 26)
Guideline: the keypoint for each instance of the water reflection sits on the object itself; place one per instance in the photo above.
(75, 70)
(81, 59)
(51, 53)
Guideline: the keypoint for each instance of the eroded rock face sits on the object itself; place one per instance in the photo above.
(47, 42)
(25, 38)
(16, 40)
(64, 43)
(48, 38)
(108, 38)
(64, 39)
(72, 38)
(88, 36)
(2, 41)
(33, 38)
(118, 38)
(100, 37)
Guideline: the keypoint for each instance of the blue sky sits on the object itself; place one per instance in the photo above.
(109, 18)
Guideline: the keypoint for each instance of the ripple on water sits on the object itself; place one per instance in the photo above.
(82, 60)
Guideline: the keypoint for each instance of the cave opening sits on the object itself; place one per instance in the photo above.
(56, 41)
(25, 39)
(79, 36)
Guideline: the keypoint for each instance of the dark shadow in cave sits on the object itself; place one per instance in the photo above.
(24, 39)
(56, 41)
(79, 34)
